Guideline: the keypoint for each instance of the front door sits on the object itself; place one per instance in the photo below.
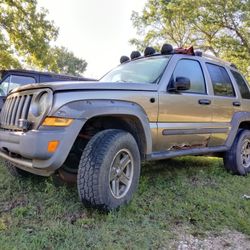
(185, 117)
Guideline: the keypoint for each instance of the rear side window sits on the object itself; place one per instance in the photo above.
(221, 81)
(244, 90)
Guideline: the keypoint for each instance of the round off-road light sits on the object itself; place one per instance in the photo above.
(135, 54)
(149, 51)
(124, 59)
(167, 49)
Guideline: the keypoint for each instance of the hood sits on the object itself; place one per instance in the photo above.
(71, 85)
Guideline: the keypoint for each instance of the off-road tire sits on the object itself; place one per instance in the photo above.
(14, 171)
(233, 158)
(93, 178)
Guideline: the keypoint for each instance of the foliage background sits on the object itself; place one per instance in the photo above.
(220, 27)
(25, 40)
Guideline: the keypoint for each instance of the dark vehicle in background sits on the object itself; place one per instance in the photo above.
(11, 79)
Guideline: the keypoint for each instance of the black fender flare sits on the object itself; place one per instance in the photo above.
(237, 119)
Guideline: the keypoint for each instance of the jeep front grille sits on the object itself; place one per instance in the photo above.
(15, 108)
(19, 106)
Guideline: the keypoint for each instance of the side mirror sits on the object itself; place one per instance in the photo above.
(181, 83)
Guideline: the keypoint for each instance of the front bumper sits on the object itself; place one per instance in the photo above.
(28, 150)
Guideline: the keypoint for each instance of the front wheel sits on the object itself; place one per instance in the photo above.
(237, 159)
(109, 170)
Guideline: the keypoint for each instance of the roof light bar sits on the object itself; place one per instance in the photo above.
(135, 54)
(124, 59)
(167, 49)
(149, 51)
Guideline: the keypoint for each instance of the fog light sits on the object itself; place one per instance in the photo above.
(23, 124)
(52, 146)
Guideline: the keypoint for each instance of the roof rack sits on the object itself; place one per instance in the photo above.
(214, 58)
(167, 49)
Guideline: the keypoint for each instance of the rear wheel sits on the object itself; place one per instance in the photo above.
(15, 171)
(109, 170)
(237, 159)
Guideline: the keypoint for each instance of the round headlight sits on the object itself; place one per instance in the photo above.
(40, 104)
(43, 103)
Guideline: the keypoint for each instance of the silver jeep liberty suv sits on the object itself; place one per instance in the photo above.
(155, 106)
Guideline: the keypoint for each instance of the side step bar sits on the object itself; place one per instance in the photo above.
(175, 153)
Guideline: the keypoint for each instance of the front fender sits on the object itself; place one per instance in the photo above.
(87, 109)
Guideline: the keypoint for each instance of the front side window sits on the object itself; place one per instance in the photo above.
(221, 81)
(242, 85)
(146, 70)
(190, 69)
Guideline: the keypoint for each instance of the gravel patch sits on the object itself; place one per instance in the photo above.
(230, 240)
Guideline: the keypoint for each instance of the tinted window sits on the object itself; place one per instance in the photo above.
(221, 81)
(146, 70)
(44, 78)
(244, 91)
(17, 81)
(192, 70)
(14, 81)
(4, 86)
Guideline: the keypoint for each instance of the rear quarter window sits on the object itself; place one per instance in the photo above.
(221, 81)
(242, 85)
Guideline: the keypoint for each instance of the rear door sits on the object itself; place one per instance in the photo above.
(243, 87)
(226, 102)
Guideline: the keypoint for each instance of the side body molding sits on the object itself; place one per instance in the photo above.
(87, 109)
(237, 119)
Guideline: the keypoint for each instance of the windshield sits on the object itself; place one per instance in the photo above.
(146, 70)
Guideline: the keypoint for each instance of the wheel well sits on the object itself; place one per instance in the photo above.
(245, 125)
(96, 124)
(128, 123)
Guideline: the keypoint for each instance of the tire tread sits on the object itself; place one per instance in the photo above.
(90, 164)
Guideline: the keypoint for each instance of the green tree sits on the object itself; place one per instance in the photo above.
(68, 63)
(25, 35)
(218, 26)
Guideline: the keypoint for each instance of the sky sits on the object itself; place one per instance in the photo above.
(95, 30)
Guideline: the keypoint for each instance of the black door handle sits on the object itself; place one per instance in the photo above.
(236, 104)
(204, 102)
